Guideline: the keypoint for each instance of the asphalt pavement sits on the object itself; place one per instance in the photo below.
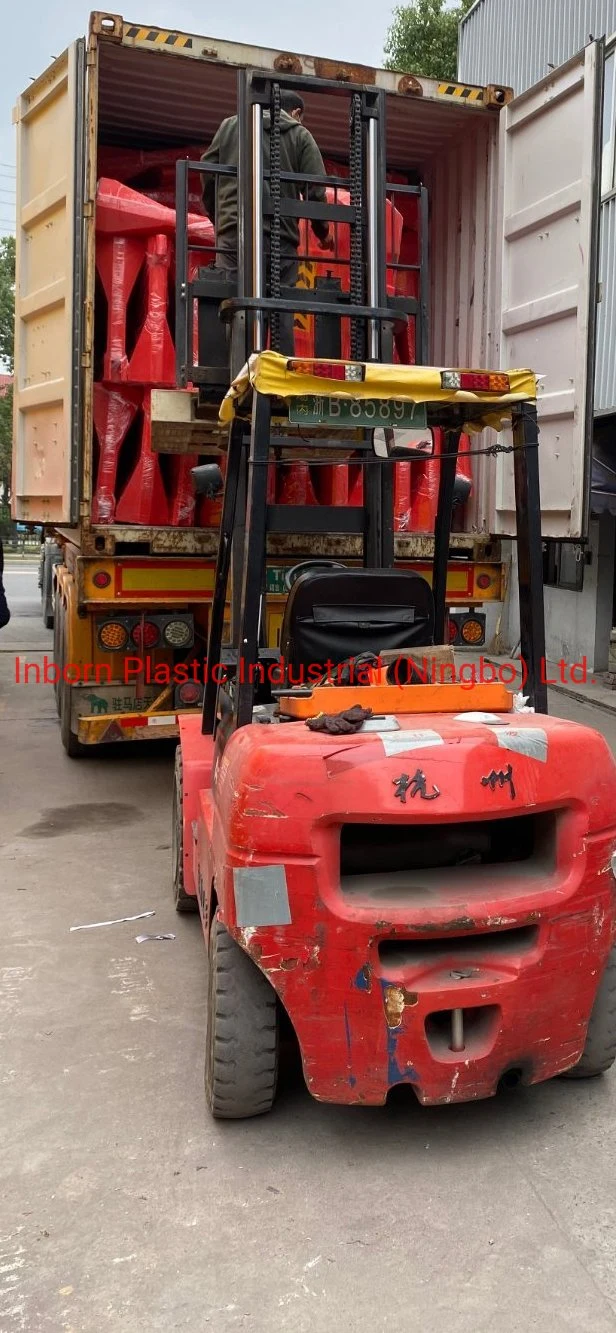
(124, 1208)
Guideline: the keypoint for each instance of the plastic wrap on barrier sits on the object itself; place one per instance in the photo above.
(144, 499)
(323, 265)
(118, 262)
(114, 413)
(295, 485)
(425, 478)
(183, 502)
(465, 467)
(167, 198)
(424, 488)
(402, 497)
(121, 210)
(153, 360)
(356, 484)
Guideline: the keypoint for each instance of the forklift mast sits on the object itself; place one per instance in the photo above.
(232, 321)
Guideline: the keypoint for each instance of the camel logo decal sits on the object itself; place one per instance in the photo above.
(97, 704)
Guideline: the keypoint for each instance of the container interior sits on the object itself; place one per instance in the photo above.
(154, 101)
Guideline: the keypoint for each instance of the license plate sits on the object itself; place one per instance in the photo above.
(345, 413)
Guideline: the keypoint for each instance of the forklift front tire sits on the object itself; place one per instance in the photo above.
(241, 1050)
(600, 1050)
(184, 902)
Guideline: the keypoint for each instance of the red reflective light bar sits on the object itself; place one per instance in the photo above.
(327, 370)
(476, 381)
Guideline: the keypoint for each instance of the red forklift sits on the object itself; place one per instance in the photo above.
(418, 876)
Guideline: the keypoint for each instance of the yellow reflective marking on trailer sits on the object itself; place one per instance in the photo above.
(156, 37)
(166, 580)
(462, 91)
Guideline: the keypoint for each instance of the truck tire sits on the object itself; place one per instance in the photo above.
(72, 746)
(600, 1050)
(184, 902)
(52, 554)
(57, 647)
(241, 1050)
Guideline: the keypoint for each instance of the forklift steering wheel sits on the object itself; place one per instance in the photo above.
(302, 568)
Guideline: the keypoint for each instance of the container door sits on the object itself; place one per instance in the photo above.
(550, 159)
(50, 173)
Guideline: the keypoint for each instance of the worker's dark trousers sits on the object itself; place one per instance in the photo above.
(227, 261)
(5, 614)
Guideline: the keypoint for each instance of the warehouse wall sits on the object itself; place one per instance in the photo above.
(515, 42)
(577, 624)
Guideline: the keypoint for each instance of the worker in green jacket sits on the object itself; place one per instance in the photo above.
(298, 153)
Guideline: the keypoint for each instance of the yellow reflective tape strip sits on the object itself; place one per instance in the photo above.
(166, 580)
(461, 91)
(157, 37)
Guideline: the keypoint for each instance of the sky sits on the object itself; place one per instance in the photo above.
(35, 31)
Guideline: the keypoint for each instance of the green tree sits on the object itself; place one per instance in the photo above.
(7, 317)
(423, 38)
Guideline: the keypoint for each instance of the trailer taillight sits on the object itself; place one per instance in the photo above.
(113, 636)
(484, 581)
(177, 633)
(101, 579)
(475, 381)
(146, 635)
(189, 694)
(328, 370)
(472, 631)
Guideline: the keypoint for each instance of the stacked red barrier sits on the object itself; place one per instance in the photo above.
(135, 268)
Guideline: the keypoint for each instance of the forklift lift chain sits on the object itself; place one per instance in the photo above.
(356, 243)
(275, 255)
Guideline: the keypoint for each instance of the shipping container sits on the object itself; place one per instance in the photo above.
(511, 242)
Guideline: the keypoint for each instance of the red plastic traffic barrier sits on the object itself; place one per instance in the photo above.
(121, 210)
(295, 485)
(118, 262)
(114, 412)
(153, 360)
(144, 499)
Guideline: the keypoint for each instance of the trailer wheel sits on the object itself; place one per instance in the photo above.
(241, 1051)
(184, 902)
(52, 554)
(600, 1050)
(72, 746)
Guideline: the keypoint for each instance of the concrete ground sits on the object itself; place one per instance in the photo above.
(123, 1207)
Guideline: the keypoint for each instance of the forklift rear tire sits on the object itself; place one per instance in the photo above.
(184, 902)
(241, 1051)
(600, 1049)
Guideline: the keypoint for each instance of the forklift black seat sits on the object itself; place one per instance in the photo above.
(334, 615)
